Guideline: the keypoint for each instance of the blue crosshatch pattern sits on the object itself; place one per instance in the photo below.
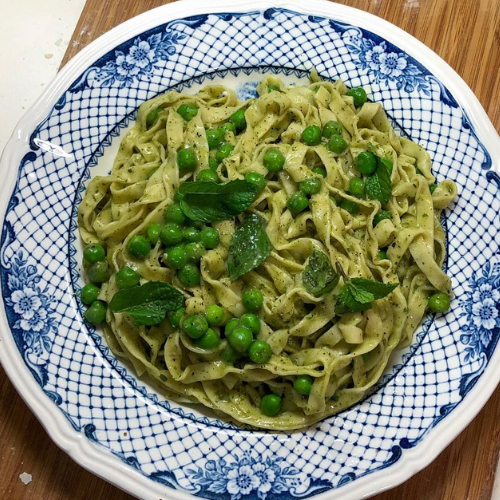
(103, 399)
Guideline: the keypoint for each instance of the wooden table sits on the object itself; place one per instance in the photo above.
(466, 33)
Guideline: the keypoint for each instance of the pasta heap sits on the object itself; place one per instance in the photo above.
(339, 257)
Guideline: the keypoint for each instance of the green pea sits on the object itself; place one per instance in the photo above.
(176, 257)
(272, 88)
(189, 275)
(214, 138)
(332, 128)
(319, 171)
(99, 272)
(175, 215)
(240, 339)
(238, 120)
(186, 160)
(96, 313)
(171, 234)
(359, 96)
(139, 246)
(175, 317)
(153, 233)
(251, 321)
(230, 326)
(257, 180)
(195, 326)
(252, 299)
(89, 294)
(382, 255)
(310, 186)
(153, 116)
(210, 340)
(366, 162)
(381, 215)
(94, 253)
(439, 302)
(303, 384)
(311, 135)
(270, 405)
(297, 203)
(273, 160)
(260, 352)
(224, 152)
(212, 164)
(228, 127)
(333, 200)
(197, 224)
(349, 206)
(187, 111)
(126, 277)
(337, 144)
(357, 187)
(177, 196)
(228, 354)
(215, 315)
(209, 237)
(191, 234)
(207, 175)
(432, 188)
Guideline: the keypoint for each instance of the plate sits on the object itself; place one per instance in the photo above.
(118, 426)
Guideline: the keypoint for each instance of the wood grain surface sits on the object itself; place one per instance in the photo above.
(466, 34)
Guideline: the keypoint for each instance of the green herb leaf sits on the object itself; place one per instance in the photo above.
(148, 303)
(347, 301)
(378, 186)
(376, 288)
(319, 276)
(210, 202)
(250, 246)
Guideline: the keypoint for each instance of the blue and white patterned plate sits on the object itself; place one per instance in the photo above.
(116, 425)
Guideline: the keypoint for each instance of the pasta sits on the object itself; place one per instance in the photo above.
(329, 250)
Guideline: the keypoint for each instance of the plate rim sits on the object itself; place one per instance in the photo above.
(93, 457)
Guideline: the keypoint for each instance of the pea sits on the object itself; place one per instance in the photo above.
(153, 116)
(273, 160)
(333, 200)
(98, 272)
(240, 339)
(319, 171)
(187, 111)
(432, 188)
(139, 246)
(297, 203)
(311, 135)
(381, 215)
(177, 196)
(210, 340)
(171, 234)
(252, 299)
(228, 127)
(94, 253)
(224, 152)
(215, 315)
(238, 120)
(126, 277)
(153, 233)
(191, 234)
(89, 294)
(310, 186)
(332, 128)
(337, 144)
(209, 237)
(214, 138)
(349, 206)
(257, 180)
(272, 88)
(175, 215)
(212, 164)
(270, 405)
(357, 187)
(195, 326)
(96, 313)
(176, 257)
(260, 352)
(251, 321)
(382, 255)
(303, 384)
(230, 326)
(194, 252)
(359, 96)
(366, 162)
(175, 317)
(186, 160)
(228, 355)
(207, 175)
(439, 302)
(189, 275)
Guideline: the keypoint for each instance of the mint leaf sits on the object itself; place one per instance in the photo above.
(210, 202)
(378, 186)
(148, 303)
(249, 247)
(348, 303)
(376, 288)
(318, 276)
(361, 295)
